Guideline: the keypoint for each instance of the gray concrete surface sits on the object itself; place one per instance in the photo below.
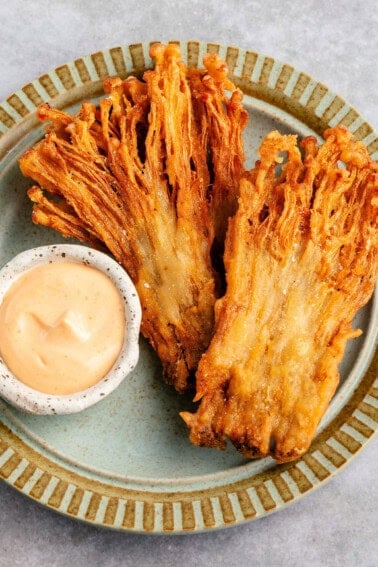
(336, 42)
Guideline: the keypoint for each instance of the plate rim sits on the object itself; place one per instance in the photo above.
(182, 511)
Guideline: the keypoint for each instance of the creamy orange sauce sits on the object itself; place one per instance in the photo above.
(62, 327)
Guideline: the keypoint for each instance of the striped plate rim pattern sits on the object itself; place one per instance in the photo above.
(102, 503)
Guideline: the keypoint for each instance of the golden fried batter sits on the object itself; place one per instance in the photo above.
(152, 174)
(301, 259)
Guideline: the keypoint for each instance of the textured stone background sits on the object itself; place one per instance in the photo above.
(336, 42)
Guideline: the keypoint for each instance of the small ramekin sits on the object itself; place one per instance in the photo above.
(29, 400)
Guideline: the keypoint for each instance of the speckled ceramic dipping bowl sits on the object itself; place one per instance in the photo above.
(32, 401)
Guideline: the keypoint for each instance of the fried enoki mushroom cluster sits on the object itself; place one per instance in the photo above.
(155, 175)
(301, 260)
(152, 174)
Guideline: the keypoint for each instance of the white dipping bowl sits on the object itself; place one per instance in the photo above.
(32, 401)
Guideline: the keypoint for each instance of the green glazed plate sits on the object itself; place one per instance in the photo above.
(127, 463)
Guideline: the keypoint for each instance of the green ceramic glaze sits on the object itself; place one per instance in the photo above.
(127, 462)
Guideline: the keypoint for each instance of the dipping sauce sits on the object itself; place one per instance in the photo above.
(62, 327)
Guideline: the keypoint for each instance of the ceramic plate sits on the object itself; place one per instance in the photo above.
(127, 462)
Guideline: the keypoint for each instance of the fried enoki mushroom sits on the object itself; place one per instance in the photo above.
(144, 175)
(301, 260)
